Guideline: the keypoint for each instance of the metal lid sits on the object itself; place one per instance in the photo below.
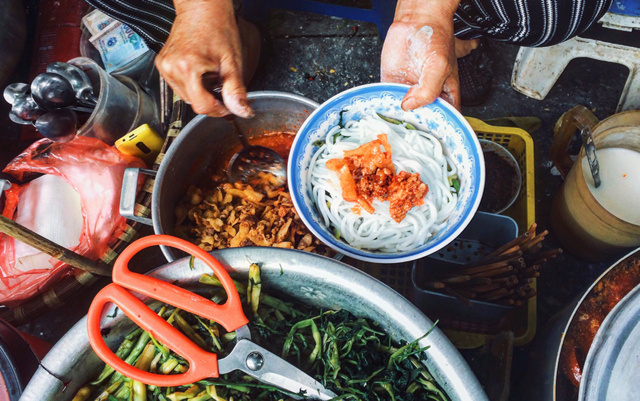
(611, 370)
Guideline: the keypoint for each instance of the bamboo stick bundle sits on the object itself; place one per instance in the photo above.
(495, 272)
(509, 246)
(483, 268)
(479, 280)
(518, 263)
(434, 285)
(458, 296)
(456, 279)
(506, 257)
(506, 280)
(466, 293)
(485, 288)
(496, 294)
(534, 240)
(504, 276)
(535, 248)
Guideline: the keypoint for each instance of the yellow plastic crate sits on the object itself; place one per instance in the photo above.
(517, 141)
(520, 144)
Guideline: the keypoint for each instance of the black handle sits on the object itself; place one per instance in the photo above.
(213, 84)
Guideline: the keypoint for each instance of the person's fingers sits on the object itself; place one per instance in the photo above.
(429, 85)
(186, 81)
(202, 101)
(234, 92)
(173, 72)
(451, 90)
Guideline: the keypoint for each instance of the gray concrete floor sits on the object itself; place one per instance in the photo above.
(318, 56)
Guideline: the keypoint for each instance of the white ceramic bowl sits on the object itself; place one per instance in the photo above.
(438, 118)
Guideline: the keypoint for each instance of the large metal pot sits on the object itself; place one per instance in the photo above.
(307, 277)
(200, 143)
(545, 380)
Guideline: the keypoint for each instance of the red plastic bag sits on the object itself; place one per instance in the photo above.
(78, 198)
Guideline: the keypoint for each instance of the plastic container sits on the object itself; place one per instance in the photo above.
(626, 7)
(487, 231)
(588, 229)
(121, 105)
(147, 107)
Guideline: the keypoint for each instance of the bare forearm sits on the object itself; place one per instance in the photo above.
(411, 10)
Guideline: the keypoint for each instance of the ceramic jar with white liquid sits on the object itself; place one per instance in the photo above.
(598, 223)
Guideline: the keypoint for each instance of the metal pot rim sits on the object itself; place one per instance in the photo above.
(183, 137)
(633, 254)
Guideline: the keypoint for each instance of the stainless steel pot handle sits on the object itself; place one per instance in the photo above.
(129, 192)
(4, 185)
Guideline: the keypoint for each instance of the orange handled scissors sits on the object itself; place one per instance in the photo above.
(246, 356)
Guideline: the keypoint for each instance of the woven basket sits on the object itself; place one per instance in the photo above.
(71, 286)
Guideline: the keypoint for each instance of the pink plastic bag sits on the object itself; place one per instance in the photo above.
(86, 170)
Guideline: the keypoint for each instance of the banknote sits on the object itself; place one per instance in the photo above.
(118, 45)
(96, 21)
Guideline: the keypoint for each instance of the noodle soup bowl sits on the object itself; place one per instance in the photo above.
(459, 145)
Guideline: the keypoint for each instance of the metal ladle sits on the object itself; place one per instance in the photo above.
(52, 91)
(252, 162)
(60, 125)
(590, 151)
(14, 90)
(26, 108)
(78, 79)
(19, 120)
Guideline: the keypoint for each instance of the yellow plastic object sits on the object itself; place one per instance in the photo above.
(142, 142)
(517, 141)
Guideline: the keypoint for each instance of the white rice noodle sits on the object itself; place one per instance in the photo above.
(412, 151)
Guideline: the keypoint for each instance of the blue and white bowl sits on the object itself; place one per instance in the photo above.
(438, 118)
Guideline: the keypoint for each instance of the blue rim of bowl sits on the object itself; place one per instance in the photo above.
(453, 116)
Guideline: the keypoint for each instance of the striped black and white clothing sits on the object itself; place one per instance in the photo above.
(522, 22)
(531, 23)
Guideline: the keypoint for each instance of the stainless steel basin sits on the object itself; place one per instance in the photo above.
(307, 277)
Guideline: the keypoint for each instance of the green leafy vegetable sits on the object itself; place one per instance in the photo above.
(340, 121)
(454, 181)
(351, 356)
(397, 122)
(389, 119)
